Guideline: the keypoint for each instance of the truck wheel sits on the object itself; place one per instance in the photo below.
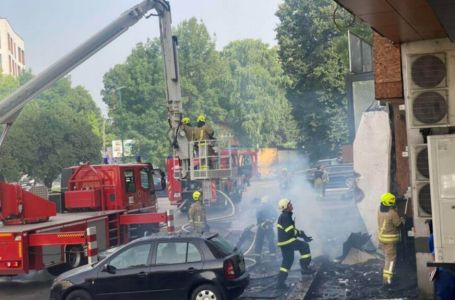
(78, 295)
(74, 256)
(206, 291)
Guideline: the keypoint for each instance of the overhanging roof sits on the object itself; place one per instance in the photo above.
(406, 20)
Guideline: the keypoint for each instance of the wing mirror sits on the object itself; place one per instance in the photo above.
(109, 269)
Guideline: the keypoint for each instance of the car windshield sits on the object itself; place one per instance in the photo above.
(220, 247)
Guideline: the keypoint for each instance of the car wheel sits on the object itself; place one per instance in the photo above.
(78, 295)
(74, 256)
(206, 292)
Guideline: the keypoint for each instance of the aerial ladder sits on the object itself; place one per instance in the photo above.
(30, 222)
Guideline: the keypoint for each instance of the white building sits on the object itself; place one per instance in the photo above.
(12, 55)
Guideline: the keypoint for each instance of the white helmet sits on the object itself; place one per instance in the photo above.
(283, 203)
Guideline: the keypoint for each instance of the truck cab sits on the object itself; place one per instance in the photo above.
(110, 187)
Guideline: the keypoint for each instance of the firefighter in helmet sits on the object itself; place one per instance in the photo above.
(187, 128)
(265, 217)
(203, 134)
(388, 234)
(289, 241)
(196, 214)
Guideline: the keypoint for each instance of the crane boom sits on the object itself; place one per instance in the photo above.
(11, 106)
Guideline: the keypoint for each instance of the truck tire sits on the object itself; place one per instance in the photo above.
(75, 256)
(78, 295)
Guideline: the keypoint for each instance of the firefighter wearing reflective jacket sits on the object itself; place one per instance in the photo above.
(196, 214)
(388, 234)
(288, 241)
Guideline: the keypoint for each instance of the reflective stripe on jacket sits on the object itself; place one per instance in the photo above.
(388, 223)
(287, 233)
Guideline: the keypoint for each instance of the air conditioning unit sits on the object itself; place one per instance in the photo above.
(428, 67)
(441, 149)
(420, 174)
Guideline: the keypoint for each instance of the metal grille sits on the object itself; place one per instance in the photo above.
(428, 71)
(422, 163)
(425, 199)
(429, 107)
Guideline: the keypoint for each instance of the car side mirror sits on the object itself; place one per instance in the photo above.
(109, 269)
(161, 184)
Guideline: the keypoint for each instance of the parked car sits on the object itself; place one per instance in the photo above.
(160, 267)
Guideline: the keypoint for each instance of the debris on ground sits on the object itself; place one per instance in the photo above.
(357, 256)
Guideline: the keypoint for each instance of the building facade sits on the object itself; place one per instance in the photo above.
(12, 54)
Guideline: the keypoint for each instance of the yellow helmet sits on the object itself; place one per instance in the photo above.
(388, 199)
(200, 118)
(196, 195)
(186, 121)
(283, 203)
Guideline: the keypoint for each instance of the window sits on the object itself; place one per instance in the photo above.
(130, 186)
(220, 247)
(177, 253)
(145, 180)
(193, 253)
(136, 256)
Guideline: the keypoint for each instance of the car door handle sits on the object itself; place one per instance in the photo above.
(141, 274)
(191, 270)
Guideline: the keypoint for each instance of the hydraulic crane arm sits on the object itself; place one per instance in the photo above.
(12, 105)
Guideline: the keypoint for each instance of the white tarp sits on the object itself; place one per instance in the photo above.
(372, 147)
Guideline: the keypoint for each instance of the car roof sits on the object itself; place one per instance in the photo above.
(176, 236)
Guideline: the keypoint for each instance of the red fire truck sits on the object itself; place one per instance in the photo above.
(233, 168)
(117, 200)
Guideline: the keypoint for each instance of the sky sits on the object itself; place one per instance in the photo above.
(52, 28)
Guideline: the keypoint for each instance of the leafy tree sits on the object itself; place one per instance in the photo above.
(52, 132)
(135, 94)
(313, 52)
(258, 109)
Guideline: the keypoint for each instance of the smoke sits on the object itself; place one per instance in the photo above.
(329, 220)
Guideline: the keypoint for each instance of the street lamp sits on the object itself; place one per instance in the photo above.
(119, 94)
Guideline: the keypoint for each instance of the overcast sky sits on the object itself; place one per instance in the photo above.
(52, 28)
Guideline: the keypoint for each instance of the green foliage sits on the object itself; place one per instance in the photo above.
(56, 130)
(135, 94)
(241, 89)
(259, 112)
(313, 51)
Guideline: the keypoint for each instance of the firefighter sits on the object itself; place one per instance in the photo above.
(196, 214)
(265, 217)
(288, 241)
(187, 128)
(203, 133)
(320, 179)
(388, 234)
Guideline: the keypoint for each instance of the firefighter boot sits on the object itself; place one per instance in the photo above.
(281, 279)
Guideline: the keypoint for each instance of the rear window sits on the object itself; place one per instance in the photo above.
(220, 247)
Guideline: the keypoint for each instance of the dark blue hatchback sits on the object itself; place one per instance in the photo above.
(160, 267)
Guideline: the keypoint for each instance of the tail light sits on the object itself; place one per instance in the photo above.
(13, 264)
(228, 268)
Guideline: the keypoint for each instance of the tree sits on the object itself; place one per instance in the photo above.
(135, 95)
(313, 52)
(258, 110)
(52, 132)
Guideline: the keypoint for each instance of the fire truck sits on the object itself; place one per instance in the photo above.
(230, 172)
(118, 201)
